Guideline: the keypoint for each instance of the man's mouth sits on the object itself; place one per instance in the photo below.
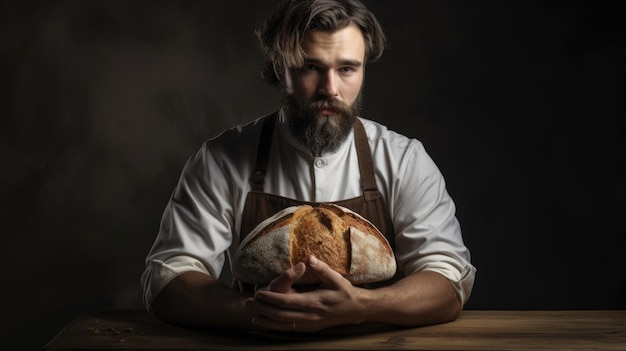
(328, 111)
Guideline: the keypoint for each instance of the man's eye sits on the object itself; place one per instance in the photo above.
(310, 68)
(347, 70)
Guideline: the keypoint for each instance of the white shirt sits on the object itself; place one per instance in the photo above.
(201, 222)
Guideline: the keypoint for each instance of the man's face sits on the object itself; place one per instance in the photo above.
(323, 97)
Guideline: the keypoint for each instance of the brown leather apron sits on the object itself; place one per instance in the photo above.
(261, 205)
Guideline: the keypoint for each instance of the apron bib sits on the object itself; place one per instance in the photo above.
(260, 205)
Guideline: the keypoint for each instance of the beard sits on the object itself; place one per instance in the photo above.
(319, 132)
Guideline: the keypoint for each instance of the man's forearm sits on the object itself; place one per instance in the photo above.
(195, 299)
(420, 299)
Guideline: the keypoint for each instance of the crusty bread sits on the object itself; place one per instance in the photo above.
(347, 242)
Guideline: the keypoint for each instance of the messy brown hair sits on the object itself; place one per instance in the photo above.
(280, 36)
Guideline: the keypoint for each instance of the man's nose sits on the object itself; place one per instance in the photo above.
(328, 84)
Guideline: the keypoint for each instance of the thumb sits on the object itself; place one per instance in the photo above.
(284, 282)
(329, 277)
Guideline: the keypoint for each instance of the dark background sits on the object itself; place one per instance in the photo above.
(521, 104)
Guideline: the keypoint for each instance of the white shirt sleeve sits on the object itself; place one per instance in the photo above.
(428, 235)
(196, 227)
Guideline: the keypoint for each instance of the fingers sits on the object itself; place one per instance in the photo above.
(280, 305)
(273, 317)
(293, 326)
(285, 281)
(270, 316)
(270, 324)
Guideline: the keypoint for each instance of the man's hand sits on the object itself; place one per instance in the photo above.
(334, 302)
(284, 283)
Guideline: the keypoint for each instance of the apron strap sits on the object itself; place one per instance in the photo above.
(366, 166)
(265, 142)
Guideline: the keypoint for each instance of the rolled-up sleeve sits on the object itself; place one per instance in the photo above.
(159, 273)
(428, 234)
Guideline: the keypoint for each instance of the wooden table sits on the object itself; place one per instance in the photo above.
(473, 330)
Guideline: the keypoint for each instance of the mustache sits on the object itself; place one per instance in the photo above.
(329, 104)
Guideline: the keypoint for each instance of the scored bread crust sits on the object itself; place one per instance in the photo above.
(320, 232)
(347, 242)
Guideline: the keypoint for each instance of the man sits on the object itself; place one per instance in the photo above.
(314, 150)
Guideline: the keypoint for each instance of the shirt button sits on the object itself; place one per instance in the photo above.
(320, 163)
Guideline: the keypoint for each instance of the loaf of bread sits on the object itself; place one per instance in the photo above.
(347, 242)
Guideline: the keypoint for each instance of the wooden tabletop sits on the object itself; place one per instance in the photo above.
(473, 330)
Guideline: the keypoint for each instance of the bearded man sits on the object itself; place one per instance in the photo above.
(314, 149)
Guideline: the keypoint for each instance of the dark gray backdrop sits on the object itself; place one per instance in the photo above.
(521, 104)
